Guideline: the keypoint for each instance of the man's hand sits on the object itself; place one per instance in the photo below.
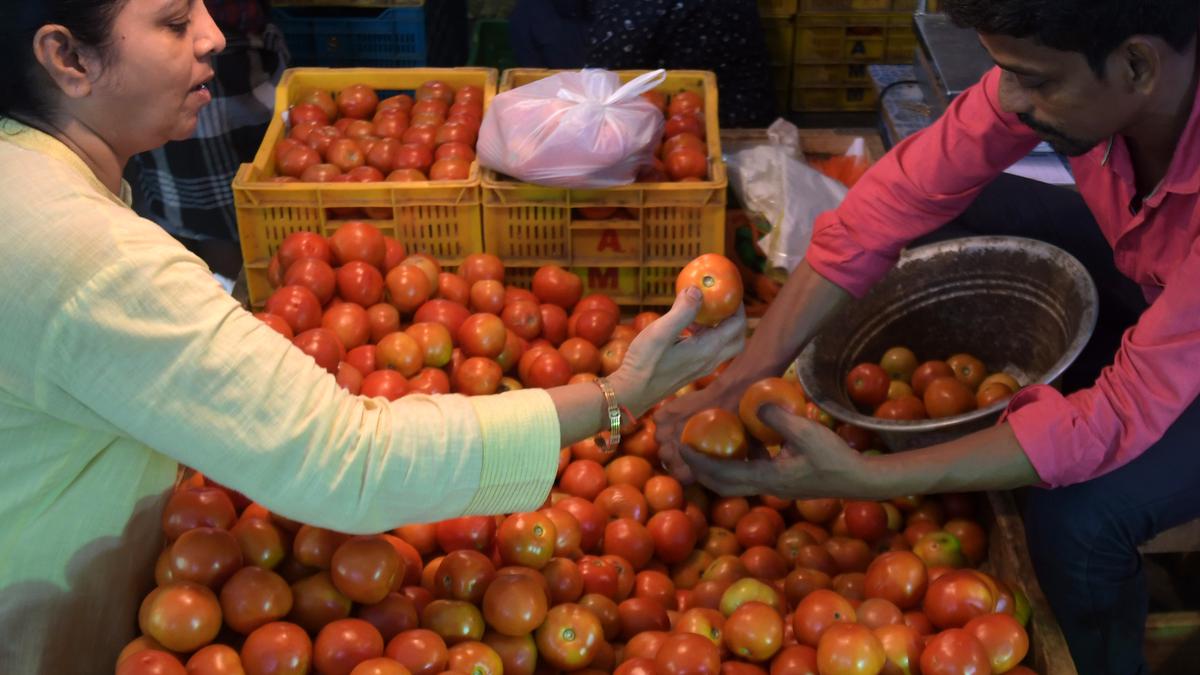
(671, 419)
(814, 462)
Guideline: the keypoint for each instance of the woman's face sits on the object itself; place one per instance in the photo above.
(151, 85)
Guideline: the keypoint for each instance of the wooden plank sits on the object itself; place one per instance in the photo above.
(1008, 559)
(1171, 642)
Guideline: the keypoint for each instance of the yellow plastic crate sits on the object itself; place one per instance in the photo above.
(780, 34)
(841, 37)
(634, 259)
(831, 73)
(441, 218)
(864, 6)
(777, 7)
(809, 98)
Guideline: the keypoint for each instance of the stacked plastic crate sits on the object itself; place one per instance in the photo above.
(354, 33)
(779, 27)
(835, 41)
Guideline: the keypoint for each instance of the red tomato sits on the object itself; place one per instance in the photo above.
(408, 288)
(673, 535)
(277, 647)
(421, 135)
(450, 169)
(1004, 640)
(454, 150)
(481, 266)
(514, 605)
(449, 314)
(487, 295)
(298, 306)
(754, 631)
(300, 245)
(866, 520)
(215, 660)
(947, 396)
(399, 102)
(686, 103)
(349, 322)
(455, 133)
(386, 383)
(548, 370)
(687, 654)
(849, 649)
(364, 569)
(321, 173)
(399, 351)
(817, 612)
(629, 539)
(591, 520)
(194, 507)
(205, 556)
(391, 616)
(718, 281)
(775, 391)
(454, 288)
(554, 323)
(254, 597)
(898, 577)
(928, 372)
(683, 124)
(358, 241)
(569, 636)
(150, 662)
(296, 160)
(482, 335)
(684, 141)
(421, 651)
(314, 274)
(405, 175)
(469, 532)
(906, 407)
(345, 154)
(430, 381)
(956, 597)
(181, 615)
(357, 101)
(523, 318)
(594, 325)
(716, 432)
(686, 163)
(867, 385)
(323, 345)
(612, 355)
(954, 652)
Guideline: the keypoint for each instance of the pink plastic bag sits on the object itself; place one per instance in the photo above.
(578, 129)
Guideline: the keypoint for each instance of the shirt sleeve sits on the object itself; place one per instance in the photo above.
(1071, 439)
(925, 181)
(150, 344)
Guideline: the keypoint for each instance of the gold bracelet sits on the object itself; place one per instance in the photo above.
(612, 411)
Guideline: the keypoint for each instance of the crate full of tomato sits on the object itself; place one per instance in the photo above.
(628, 242)
(392, 147)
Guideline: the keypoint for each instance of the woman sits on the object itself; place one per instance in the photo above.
(119, 346)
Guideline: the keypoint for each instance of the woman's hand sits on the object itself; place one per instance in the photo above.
(659, 362)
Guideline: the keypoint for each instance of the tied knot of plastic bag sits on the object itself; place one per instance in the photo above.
(575, 129)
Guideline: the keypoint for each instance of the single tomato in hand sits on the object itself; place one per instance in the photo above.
(720, 285)
(717, 433)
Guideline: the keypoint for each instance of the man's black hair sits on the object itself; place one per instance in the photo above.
(1093, 28)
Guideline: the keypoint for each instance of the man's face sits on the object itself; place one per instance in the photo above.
(1058, 95)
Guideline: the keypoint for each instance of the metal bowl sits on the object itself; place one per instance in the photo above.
(1020, 305)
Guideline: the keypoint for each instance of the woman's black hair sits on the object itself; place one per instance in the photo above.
(1094, 28)
(23, 84)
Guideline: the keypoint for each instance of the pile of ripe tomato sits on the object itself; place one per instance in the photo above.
(355, 137)
(623, 569)
(900, 388)
(683, 153)
(344, 300)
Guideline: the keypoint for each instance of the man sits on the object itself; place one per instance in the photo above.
(1112, 84)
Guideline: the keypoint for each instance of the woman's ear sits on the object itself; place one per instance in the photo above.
(70, 65)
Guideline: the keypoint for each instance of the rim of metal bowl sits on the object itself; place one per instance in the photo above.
(1084, 328)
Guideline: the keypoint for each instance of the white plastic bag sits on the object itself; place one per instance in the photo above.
(774, 181)
(578, 129)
